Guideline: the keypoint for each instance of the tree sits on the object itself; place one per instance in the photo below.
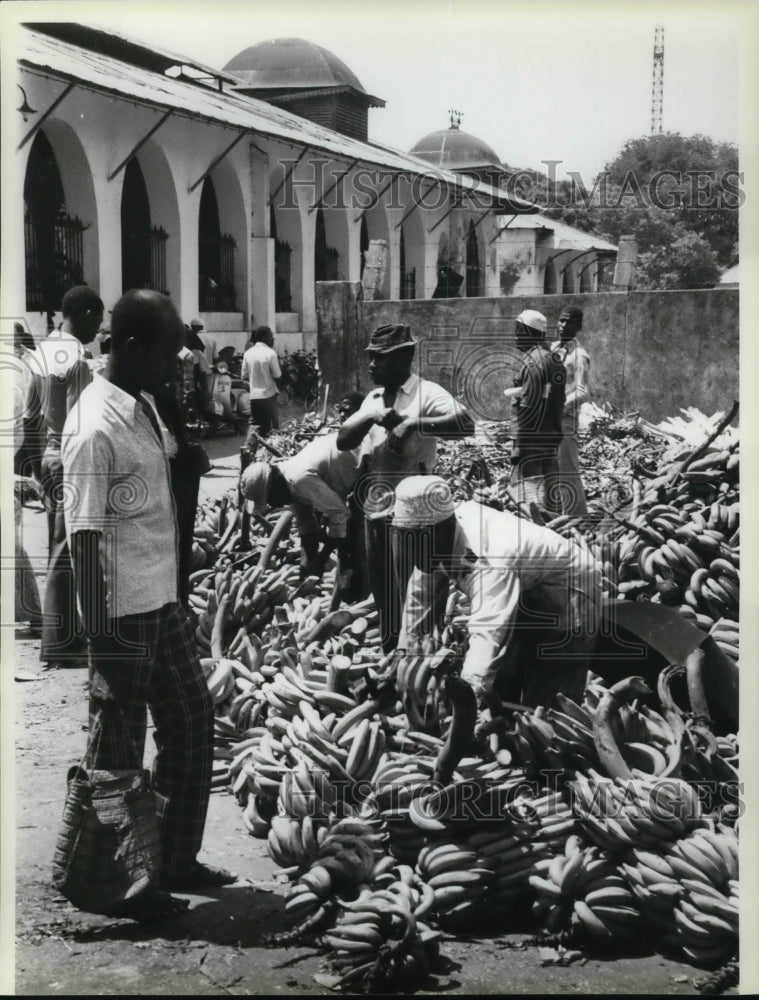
(678, 195)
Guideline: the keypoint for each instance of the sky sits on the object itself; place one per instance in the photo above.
(537, 81)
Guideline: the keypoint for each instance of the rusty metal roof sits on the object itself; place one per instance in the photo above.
(106, 74)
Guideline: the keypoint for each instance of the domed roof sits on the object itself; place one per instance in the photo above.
(287, 63)
(452, 149)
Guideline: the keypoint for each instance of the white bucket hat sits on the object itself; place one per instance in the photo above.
(533, 319)
(254, 483)
(422, 500)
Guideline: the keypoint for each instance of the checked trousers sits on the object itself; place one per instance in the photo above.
(150, 661)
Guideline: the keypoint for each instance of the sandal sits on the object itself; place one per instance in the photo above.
(197, 876)
(153, 907)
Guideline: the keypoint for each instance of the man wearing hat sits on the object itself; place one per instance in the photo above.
(314, 482)
(530, 590)
(396, 429)
(208, 342)
(538, 408)
(576, 361)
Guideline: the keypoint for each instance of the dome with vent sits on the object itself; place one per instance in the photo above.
(453, 149)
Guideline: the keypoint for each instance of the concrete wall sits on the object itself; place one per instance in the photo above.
(650, 351)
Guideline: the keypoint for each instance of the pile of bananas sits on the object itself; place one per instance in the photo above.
(461, 881)
(582, 889)
(689, 893)
(683, 548)
(379, 943)
(618, 814)
(332, 759)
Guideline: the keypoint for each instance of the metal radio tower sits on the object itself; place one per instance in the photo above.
(657, 84)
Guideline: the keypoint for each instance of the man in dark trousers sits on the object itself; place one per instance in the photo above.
(122, 529)
(396, 430)
(59, 375)
(539, 406)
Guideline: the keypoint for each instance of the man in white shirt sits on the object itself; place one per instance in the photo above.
(121, 526)
(314, 482)
(523, 581)
(576, 361)
(396, 429)
(60, 373)
(260, 366)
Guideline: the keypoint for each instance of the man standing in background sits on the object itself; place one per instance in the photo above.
(208, 342)
(539, 407)
(260, 366)
(576, 363)
(58, 378)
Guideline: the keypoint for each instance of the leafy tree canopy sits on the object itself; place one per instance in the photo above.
(678, 195)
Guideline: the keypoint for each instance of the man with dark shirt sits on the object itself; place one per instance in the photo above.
(539, 408)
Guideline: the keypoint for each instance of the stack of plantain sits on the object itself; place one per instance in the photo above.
(334, 754)
(379, 942)
(689, 893)
(582, 889)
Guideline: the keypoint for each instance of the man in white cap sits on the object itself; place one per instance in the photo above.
(538, 409)
(396, 429)
(530, 592)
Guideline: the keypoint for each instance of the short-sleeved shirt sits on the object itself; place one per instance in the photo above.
(59, 374)
(320, 478)
(117, 482)
(576, 361)
(261, 366)
(540, 407)
(209, 348)
(416, 397)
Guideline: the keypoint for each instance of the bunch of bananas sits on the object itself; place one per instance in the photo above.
(549, 739)
(379, 942)
(293, 844)
(690, 893)
(618, 814)
(725, 633)
(210, 524)
(418, 680)
(582, 888)
(461, 879)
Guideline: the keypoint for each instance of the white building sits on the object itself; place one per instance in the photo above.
(528, 254)
(135, 167)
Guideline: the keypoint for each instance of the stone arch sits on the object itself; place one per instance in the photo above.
(549, 278)
(378, 228)
(586, 276)
(58, 143)
(336, 243)
(567, 281)
(164, 212)
(231, 215)
(286, 228)
(474, 281)
(414, 246)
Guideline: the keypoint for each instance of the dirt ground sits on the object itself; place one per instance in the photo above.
(216, 947)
